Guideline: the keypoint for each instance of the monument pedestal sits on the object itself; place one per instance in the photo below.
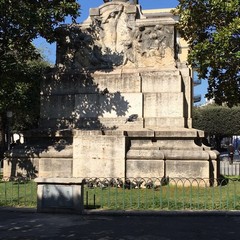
(59, 195)
(175, 153)
(143, 153)
(122, 88)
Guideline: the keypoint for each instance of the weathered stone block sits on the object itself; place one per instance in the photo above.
(145, 168)
(187, 169)
(140, 133)
(122, 83)
(138, 154)
(168, 81)
(59, 107)
(121, 123)
(59, 195)
(186, 154)
(20, 166)
(98, 156)
(163, 105)
(178, 122)
(55, 167)
(61, 84)
(112, 105)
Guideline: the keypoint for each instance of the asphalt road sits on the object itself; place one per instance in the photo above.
(27, 224)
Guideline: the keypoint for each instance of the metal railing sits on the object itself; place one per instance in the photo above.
(161, 194)
(18, 192)
(137, 193)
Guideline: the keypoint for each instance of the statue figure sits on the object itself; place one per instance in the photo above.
(132, 1)
(112, 21)
(128, 53)
(120, 0)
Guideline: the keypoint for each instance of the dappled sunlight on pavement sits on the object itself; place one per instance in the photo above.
(27, 224)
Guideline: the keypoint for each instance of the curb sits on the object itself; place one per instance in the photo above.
(128, 212)
(18, 209)
(161, 213)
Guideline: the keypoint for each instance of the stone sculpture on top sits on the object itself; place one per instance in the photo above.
(113, 38)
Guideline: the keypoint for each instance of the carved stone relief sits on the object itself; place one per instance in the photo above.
(114, 39)
(153, 42)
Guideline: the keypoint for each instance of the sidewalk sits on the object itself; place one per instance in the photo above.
(25, 224)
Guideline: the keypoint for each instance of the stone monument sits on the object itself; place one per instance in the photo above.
(118, 102)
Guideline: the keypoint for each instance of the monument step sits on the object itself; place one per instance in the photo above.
(169, 121)
(158, 81)
(173, 154)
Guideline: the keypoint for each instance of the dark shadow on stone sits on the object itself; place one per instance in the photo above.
(70, 99)
(198, 140)
(85, 55)
(211, 173)
(83, 101)
(27, 165)
(23, 159)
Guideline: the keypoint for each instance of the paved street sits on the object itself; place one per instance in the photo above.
(27, 224)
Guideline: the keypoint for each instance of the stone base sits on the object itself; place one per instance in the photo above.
(176, 153)
(59, 195)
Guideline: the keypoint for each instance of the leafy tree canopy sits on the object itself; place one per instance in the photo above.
(21, 94)
(212, 29)
(21, 21)
(21, 66)
(217, 121)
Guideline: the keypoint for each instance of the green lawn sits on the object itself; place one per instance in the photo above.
(18, 193)
(169, 197)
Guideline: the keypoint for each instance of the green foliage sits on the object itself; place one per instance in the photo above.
(212, 29)
(20, 93)
(21, 67)
(217, 120)
(171, 197)
(18, 193)
(21, 21)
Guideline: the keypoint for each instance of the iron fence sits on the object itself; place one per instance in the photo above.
(162, 194)
(18, 192)
(138, 193)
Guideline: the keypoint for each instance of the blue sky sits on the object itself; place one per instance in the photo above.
(49, 50)
(146, 4)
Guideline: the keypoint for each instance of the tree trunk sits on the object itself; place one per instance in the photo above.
(2, 136)
(218, 139)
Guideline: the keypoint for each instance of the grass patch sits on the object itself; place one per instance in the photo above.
(168, 197)
(234, 178)
(17, 194)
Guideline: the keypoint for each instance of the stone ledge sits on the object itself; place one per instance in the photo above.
(145, 132)
(185, 132)
(199, 155)
(165, 133)
(145, 154)
(75, 181)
